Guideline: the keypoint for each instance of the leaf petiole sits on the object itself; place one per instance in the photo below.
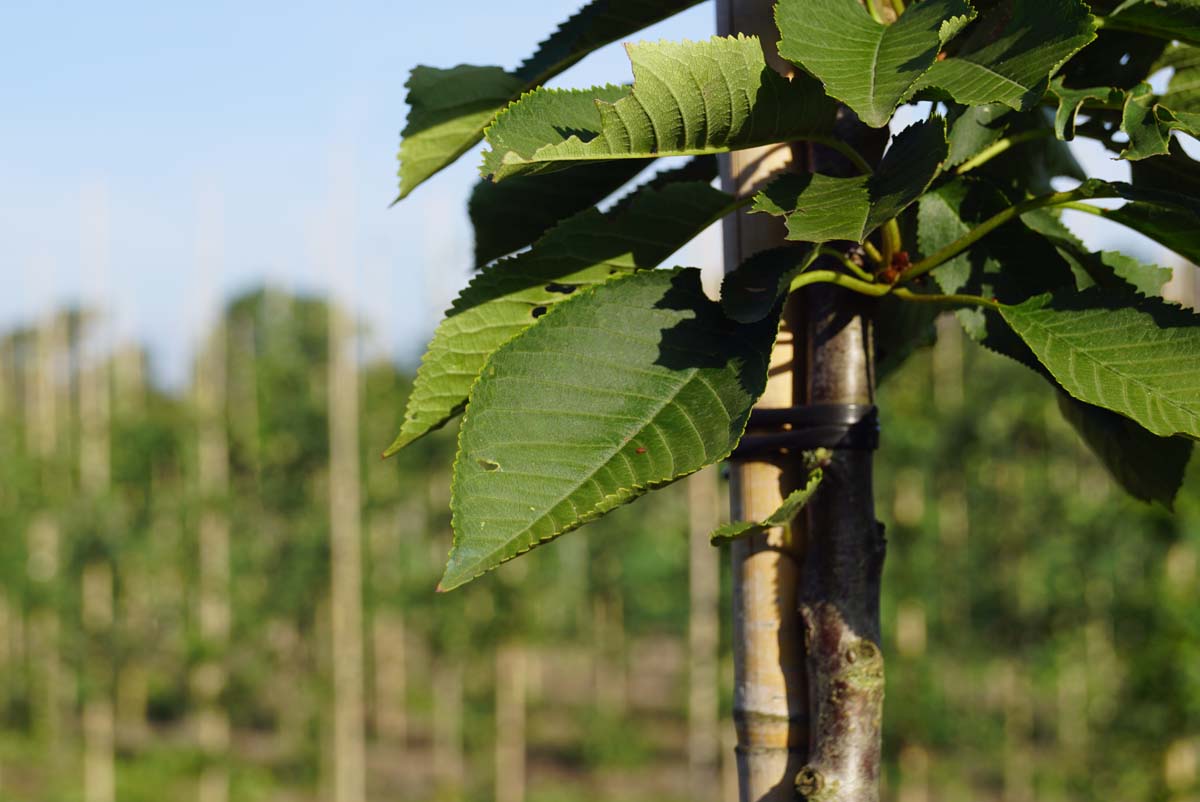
(840, 280)
(1000, 146)
(846, 262)
(844, 148)
(995, 221)
(952, 299)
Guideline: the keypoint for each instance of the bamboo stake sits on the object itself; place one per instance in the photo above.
(99, 766)
(704, 588)
(770, 704)
(346, 570)
(389, 637)
(510, 723)
(97, 588)
(209, 677)
(43, 402)
(448, 760)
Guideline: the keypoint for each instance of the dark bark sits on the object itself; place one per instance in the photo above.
(844, 547)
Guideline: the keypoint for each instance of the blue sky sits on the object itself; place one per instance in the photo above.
(158, 156)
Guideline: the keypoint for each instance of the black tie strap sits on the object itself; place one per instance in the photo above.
(833, 426)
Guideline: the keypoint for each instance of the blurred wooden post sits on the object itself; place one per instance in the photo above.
(209, 676)
(510, 723)
(135, 610)
(44, 408)
(448, 761)
(389, 637)
(704, 588)
(770, 707)
(346, 609)
(96, 596)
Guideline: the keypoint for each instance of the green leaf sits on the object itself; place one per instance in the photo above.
(1149, 124)
(1183, 91)
(752, 291)
(783, 516)
(1106, 268)
(688, 98)
(1139, 357)
(598, 23)
(1175, 174)
(821, 208)
(1011, 264)
(449, 109)
(1115, 58)
(1165, 19)
(511, 215)
(624, 388)
(508, 296)
(1070, 101)
(1022, 266)
(899, 328)
(1150, 468)
(1174, 229)
(973, 128)
(865, 64)
(1012, 65)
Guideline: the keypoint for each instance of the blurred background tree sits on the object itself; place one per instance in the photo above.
(1025, 664)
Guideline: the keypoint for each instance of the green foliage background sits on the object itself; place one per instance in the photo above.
(1041, 628)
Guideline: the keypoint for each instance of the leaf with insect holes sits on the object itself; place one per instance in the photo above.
(1139, 357)
(688, 98)
(508, 296)
(822, 208)
(783, 516)
(1149, 124)
(1011, 52)
(449, 108)
(1071, 101)
(865, 64)
(625, 387)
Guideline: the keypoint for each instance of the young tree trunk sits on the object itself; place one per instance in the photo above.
(209, 677)
(704, 590)
(809, 674)
(839, 596)
(346, 608)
